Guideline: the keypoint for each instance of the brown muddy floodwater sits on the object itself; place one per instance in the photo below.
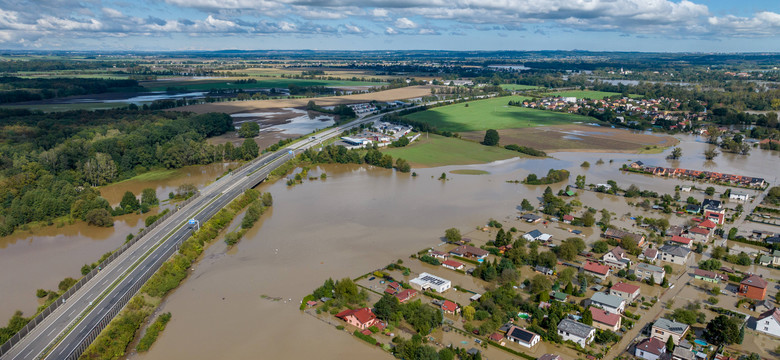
(198, 175)
(41, 258)
(360, 219)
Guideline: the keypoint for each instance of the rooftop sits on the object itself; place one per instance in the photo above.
(605, 317)
(596, 268)
(577, 329)
(649, 267)
(670, 325)
(606, 299)
(652, 345)
(625, 287)
(521, 334)
(755, 281)
(675, 250)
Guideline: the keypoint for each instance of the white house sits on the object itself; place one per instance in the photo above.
(577, 332)
(522, 336)
(650, 349)
(625, 291)
(536, 235)
(739, 196)
(769, 322)
(611, 303)
(616, 258)
(664, 328)
(427, 281)
(674, 254)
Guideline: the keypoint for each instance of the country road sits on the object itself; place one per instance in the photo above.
(65, 333)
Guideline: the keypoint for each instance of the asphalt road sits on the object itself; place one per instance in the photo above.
(61, 334)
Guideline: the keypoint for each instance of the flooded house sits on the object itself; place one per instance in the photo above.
(645, 271)
(579, 333)
(625, 291)
(674, 254)
(753, 287)
(664, 328)
(650, 349)
(605, 320)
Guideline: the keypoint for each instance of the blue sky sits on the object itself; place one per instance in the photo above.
(621, 25)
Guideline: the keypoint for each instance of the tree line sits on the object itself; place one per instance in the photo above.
(16, 89)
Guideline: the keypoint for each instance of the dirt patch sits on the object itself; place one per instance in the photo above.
(577, 138)
(233, 107)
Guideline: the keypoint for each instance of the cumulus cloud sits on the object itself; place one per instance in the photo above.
(391, 31)
(404, 23)
(379, 13)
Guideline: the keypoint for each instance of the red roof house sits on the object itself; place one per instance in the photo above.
(568, 219)
(496, 337)
(624, 290)
(450, 307)
(406, 294)
(753, 287)
(650, 348)
(360, 318)
(682, 241)
(708, 224)
(605, 320)
(452, 265)
(597, 269)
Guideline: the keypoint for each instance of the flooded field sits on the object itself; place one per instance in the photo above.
(288, 121)
(41, 259)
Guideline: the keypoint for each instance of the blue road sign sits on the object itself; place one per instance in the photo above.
(192, 221)
(290, 152)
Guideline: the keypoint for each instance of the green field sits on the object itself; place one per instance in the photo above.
(493, 113)
(67, 107)
(262, 83)
(588, 94)
(519, 87)
(439, 151)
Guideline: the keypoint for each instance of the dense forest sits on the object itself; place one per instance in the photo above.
(49, 162)
(16, 89)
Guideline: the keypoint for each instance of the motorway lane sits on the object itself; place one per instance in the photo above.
(223, 190)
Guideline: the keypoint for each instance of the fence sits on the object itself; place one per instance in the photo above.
(61, 300)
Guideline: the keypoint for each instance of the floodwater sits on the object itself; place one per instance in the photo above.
(42, 258)
(360, 219)
(288, 121)
(47, 255)
(198, 175)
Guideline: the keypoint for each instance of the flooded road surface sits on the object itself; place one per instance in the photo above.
(42, 259)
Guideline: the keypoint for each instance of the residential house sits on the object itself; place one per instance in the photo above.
(393, 288)
(406, 295)
(531, 218)
(427, 281)
(674, 230)
(625, 291)
(664, 328)
(536, 235)
(496, 337)
(644, 271)
(611, 303)
(567, 219)
(711, 204)
(649, 254)
(449, 307)
(699, 234)
(596, 269)
(717, 216)
(764, 260)
(708, 224)
(637, 165)
(452, 265)
(438, 254)
(620, 234)
(674, 254)
(468, 251)
(560, 296)
(550, 357)
(753, 287)
(769, 322)
(709, 276)
(605, 320)
(359, 318)
(616, 258)
(692, 209)
(579, 333)
(776, 258)
(650, 349)
(739, 196)
(522, 336)
(543, 270)
(681, 353)
(681, 241)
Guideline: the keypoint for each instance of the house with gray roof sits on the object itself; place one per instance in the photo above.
(674, 254)
(610, 303)
(645, 271)
(665, 328)
(579, 333)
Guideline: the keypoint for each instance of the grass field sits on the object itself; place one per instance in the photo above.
(588, 94)
(67, 107)
(519, 87)
(493, 113)
(261, 83)
(439, 151)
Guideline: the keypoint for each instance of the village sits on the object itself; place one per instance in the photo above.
(544, 286)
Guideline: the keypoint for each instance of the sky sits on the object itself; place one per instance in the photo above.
(598, 25)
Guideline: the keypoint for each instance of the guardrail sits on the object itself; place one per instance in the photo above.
(119, 305)
(78, 285)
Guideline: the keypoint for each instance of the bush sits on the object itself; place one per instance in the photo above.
(153, 332)
(41, 293)
(366, 338)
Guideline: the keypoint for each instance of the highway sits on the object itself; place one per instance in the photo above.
(65, 333)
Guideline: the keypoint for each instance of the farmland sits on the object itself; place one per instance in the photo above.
(439, 151)
(262, 83)
(493, 113)
(588, 94)
(519, 87)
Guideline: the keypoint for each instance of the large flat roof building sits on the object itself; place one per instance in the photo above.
(427, 281)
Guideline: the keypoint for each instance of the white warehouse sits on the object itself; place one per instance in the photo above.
(427, 281)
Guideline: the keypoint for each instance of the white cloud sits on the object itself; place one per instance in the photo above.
(353, 29)
(379, 13)
(113, 13)
(764, 23)
(391, 31)
(404, 23)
